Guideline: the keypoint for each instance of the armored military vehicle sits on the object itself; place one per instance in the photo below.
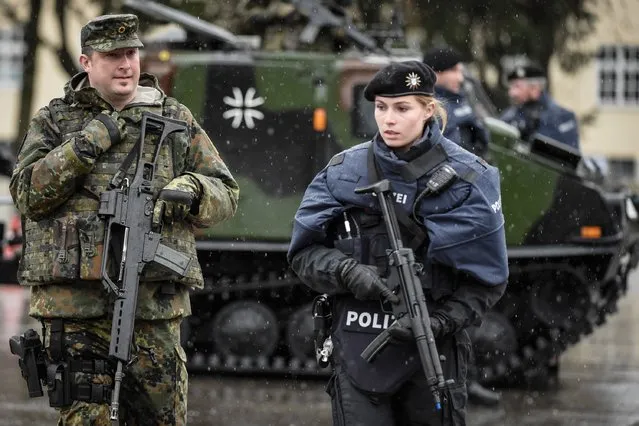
(278, 117)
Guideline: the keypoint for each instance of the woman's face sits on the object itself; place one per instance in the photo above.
(401, 120)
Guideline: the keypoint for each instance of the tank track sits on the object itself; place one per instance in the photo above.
(547, 308)
(281, 299)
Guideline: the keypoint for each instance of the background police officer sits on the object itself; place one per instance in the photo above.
(339, 245)
(468, 130)
(534, 111)
(68, 157)
(464, 127)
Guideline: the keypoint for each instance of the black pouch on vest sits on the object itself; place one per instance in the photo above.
(66, 249)
(355, 324)
(357, 248)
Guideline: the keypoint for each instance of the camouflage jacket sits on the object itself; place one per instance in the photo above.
(56, 186)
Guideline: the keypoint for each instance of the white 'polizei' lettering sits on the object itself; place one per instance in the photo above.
(364, 320)
(374, 320)
(351, 316)
(566, 126)
(496, 206)
(462, 111)
(400, 198)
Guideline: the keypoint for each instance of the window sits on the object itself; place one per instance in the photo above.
(363, 114)
(623, 170)
(619, 75)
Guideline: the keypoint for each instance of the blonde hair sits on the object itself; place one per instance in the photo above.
(440, 111)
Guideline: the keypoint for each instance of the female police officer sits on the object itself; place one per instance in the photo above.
(339, 245)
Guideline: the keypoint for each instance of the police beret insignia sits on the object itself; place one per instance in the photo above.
(413, 80)
(402, 79)
(526, 71)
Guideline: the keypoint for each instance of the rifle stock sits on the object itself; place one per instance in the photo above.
(411, 313)
(128, 213)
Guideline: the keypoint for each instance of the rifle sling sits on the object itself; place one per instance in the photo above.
(118, 177)
(416, 231)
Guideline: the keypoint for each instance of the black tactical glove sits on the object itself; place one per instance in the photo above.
(363, 281)
(105, 130)
(405, 332)
(177, 199)
(440, 324)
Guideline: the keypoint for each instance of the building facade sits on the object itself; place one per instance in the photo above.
(607, 89)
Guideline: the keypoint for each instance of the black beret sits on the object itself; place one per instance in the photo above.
(526, 71)
(402, 79)
(442, 58)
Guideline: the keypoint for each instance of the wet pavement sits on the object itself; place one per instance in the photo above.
(598, 384)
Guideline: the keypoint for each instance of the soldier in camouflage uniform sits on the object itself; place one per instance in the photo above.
(71, 151)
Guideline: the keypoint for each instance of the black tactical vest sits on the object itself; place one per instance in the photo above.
(356, 323)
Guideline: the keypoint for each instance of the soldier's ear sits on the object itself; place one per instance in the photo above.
(85, 62)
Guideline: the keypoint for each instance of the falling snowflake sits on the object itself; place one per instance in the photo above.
(413, 81)
(242, 107)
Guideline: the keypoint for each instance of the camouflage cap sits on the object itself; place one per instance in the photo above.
(109, 32)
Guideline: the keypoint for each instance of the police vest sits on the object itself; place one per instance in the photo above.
(68, 244)
(361, 234)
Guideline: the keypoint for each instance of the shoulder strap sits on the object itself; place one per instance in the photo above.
(171, 108)
(416, 231)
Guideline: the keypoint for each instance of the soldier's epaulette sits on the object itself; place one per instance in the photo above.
(338, 159)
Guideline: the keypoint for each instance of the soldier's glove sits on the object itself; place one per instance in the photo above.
(177, 199)
(105, 130)
(363, 281)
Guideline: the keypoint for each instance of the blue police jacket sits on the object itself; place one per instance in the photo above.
(555, 121)
(465, 223)
(463, 126)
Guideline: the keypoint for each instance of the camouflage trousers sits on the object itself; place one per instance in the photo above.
(155, 385)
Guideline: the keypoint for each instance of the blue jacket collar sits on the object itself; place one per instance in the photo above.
(392, 162)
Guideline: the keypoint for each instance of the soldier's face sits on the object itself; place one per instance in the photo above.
(114, 74)
(452, 78)
(521, 91)
(401, 120)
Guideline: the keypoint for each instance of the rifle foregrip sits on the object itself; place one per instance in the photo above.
(370, 352)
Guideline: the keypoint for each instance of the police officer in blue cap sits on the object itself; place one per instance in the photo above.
(339, 247)
(534, 111)
(464, 127)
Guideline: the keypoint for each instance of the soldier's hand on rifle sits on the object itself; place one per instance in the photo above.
(177, 199)
(364, 281)
(105, 130)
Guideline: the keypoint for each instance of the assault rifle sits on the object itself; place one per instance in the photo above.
(411, 314)
(320, 16)
(128, 210)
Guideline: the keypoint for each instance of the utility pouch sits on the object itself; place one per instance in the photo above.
(91, 236)
(59, 384)
(357, 248)
(66, 249)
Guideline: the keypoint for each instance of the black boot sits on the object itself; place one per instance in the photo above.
(477, 394)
